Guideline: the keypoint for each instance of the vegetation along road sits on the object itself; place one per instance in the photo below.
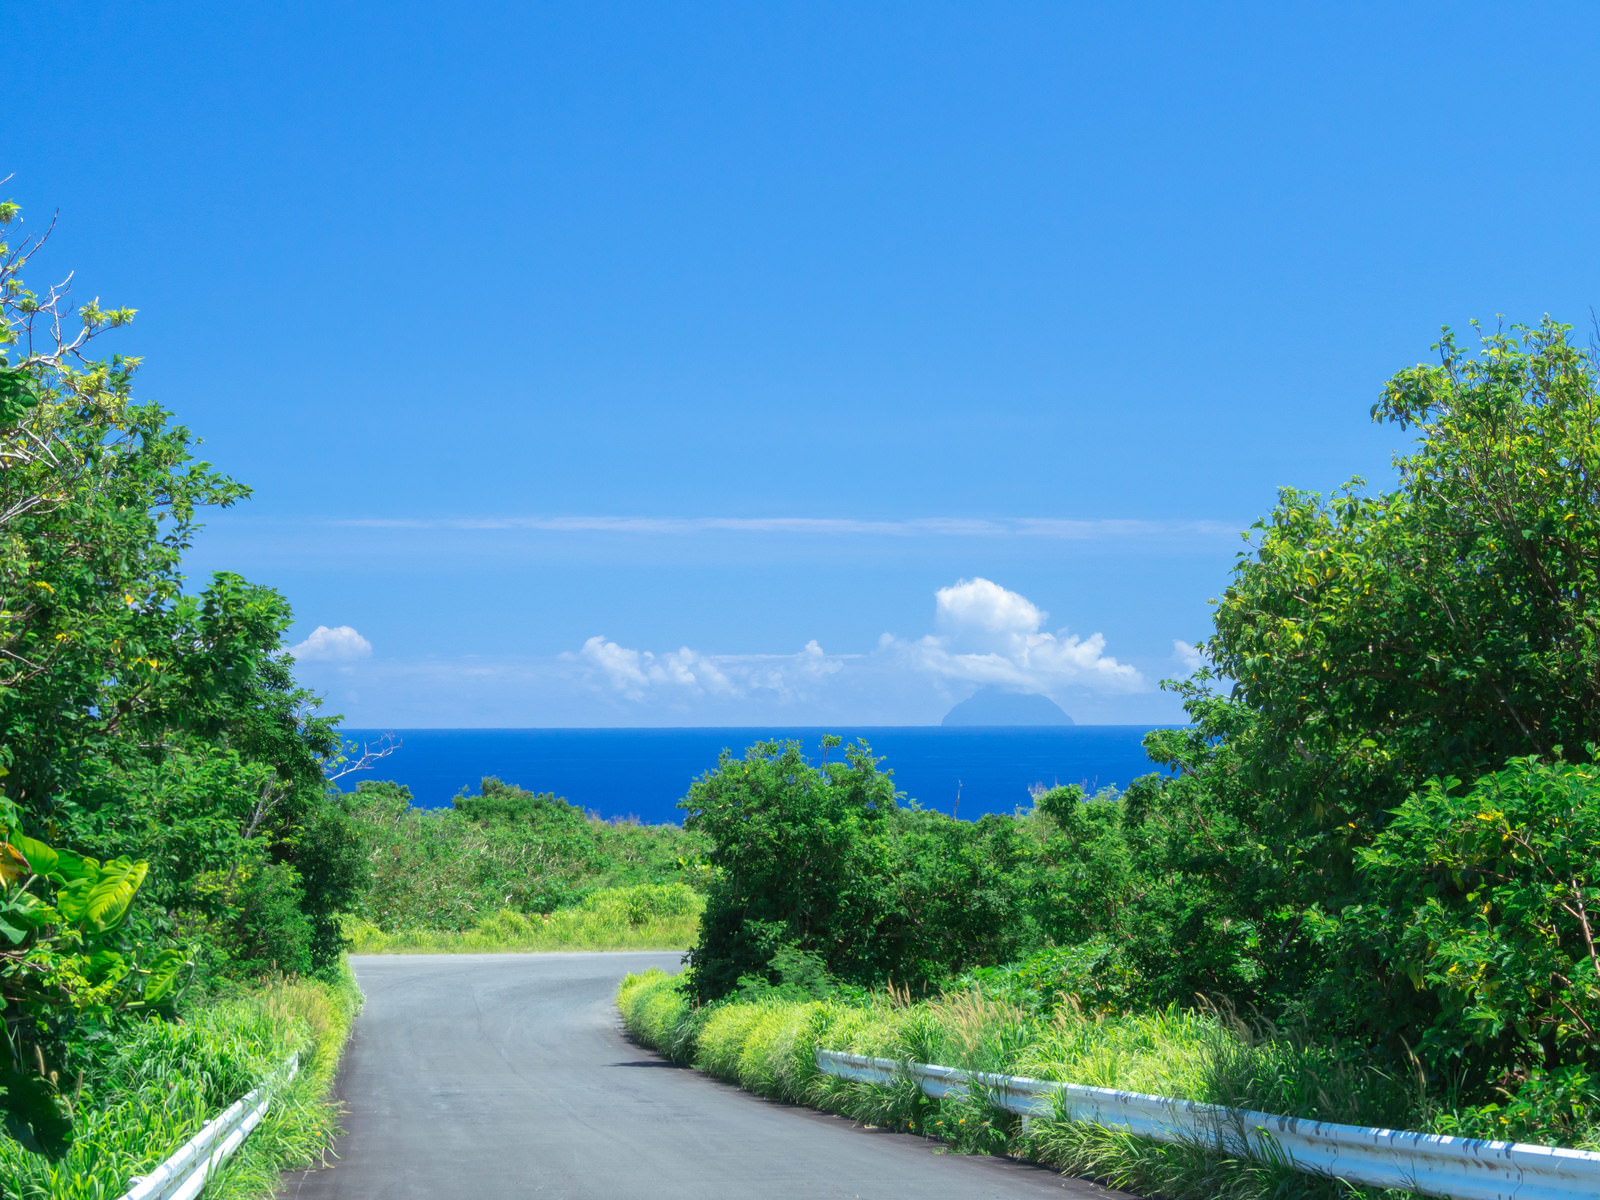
(506, 1075)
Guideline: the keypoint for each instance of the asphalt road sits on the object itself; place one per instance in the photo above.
(489, 1076)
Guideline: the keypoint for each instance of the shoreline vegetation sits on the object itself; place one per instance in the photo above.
(507, 869)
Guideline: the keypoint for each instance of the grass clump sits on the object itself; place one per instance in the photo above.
(767, 1043)
(642, 917)
(161, 1080)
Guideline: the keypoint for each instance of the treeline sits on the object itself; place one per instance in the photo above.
(1383, 824)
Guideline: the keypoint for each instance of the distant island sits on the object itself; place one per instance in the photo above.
(996, 706)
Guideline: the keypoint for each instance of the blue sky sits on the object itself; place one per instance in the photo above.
(787, 363)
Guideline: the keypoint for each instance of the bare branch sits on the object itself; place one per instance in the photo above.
(371, 752)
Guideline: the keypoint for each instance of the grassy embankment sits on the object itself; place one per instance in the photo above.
(511, 870)
(767, 1045)
(165, 1079)
(643, 917)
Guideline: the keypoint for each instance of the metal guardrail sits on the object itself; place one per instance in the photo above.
(183, 1174)
(1460, 1168)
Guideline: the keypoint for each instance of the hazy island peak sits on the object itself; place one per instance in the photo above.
(996, 706)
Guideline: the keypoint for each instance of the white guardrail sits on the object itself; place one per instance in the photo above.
(1460, 1168)
(183, 1174)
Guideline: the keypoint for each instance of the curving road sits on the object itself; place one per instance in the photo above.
(500, 1075)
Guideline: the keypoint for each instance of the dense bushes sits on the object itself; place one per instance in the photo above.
(822, 859)
(446, 870)
(153, 1086)
(1481, 908)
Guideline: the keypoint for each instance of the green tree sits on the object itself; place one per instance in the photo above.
(1373, 642)
(798, 860)
(823, 861)
(115, 682)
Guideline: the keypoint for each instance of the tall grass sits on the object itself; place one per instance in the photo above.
(768, 1045)
(165, 1079)
(644, 917)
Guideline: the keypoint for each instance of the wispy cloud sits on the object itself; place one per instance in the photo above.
(1059, 528)
(1190, 658)
(638, 674)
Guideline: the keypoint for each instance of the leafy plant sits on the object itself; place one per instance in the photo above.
(1490, 896)
(63, 967)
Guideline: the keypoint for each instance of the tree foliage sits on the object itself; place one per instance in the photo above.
(147, 728)
(1377, 650)
(821, 860)
(502, 848)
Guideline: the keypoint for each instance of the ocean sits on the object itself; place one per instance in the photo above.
(643, 773)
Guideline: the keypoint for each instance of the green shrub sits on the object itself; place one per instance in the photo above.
(769, 1046)
(1094, 976)
(822, 859)
(1485, 918)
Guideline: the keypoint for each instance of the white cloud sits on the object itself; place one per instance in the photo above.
(983, 634)
(977, 611)
(638, 675)
(789, 676)
(987, 634)
(633, 673)
(1189, 657)
(992, 635)
(338, 644)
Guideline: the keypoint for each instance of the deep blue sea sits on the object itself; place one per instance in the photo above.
(643, 773)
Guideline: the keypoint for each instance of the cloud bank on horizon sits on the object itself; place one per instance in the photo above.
(984, 634)
(987, 635)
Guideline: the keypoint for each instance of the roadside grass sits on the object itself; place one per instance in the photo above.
(642, 917)
(165, 1079)
(768, 1046)
(300, 1125)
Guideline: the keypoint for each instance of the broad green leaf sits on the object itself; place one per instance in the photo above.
(72, 901)
(41, 859)
(162, 975)
(107, 900)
